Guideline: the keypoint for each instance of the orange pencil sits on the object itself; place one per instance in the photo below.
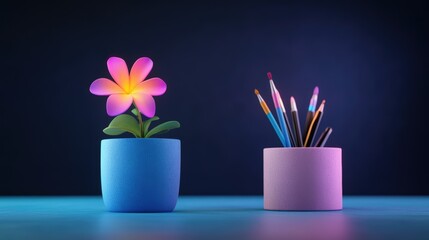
(312, 129)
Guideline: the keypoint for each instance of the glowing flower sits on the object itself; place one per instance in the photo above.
(129, 87)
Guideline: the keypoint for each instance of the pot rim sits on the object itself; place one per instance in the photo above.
(141, 139)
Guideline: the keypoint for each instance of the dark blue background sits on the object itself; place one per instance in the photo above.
(369, 60)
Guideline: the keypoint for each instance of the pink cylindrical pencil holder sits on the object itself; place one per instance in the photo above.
(303, 178)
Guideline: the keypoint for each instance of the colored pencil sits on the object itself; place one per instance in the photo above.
(270, 117)
(311, 110)
(295, 120)
(312, 129)
(281, 113)
(323, 137)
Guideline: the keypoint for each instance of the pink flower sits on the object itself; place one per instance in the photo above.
(129, 87)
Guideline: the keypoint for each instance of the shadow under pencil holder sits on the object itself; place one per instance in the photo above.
(303, 178)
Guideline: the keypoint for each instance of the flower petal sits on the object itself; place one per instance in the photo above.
(118, 103)
(104, 87)
(153, 86)
(145, 103)
(119, 71)
(140, 70)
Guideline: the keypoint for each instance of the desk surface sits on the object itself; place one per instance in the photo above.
(213, 218)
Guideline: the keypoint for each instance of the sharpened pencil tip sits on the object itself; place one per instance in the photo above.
(316, 90)
(270, 76)
(322, 106)
(256, 92)
(293, 104)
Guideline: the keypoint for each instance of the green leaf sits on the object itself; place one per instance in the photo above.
(147, 123)
(135, 111)
(123, 123)
(163, 128)
(162, 132)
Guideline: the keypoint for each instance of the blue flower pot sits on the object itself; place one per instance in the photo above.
(140, 174)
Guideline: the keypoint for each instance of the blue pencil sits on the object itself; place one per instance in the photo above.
(271, 118)
(277, 129)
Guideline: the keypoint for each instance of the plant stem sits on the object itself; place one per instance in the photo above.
(139, 116)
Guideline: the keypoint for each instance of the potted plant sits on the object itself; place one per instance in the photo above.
(140, 174)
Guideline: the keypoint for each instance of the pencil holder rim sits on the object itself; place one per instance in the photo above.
(303, 148)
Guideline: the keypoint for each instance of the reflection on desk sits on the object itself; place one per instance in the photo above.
(213, 218)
